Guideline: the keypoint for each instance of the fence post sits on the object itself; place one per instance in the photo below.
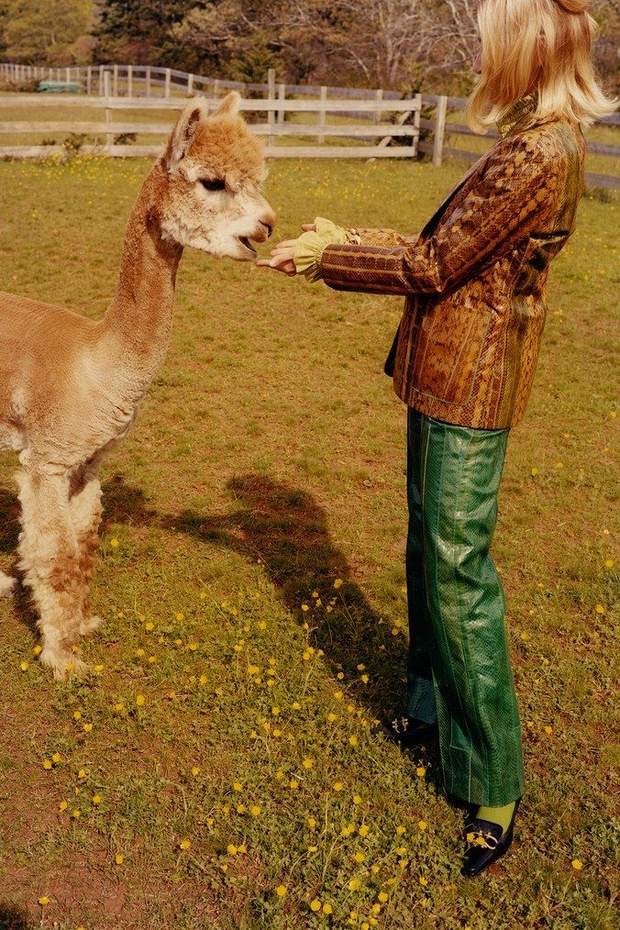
(281, 98)
(109, 139)
(416, 125)
(147, 78)
(440, 131)
(322, 114)
(271, 95)
(89, 79)
(115, 81)
(377, 115)
(190, 85)
(216, 87)
(167, 84)
(130, 80)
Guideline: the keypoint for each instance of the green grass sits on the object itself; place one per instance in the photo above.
(268, 462)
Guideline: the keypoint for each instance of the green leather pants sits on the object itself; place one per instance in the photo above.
(459, 670)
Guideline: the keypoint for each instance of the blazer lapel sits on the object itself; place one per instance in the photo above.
(432, 222)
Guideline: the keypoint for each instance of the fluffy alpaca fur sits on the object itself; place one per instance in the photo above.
(70, 386)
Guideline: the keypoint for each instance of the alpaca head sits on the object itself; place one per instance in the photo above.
(215, 167)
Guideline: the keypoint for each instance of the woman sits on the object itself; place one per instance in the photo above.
(463, 361)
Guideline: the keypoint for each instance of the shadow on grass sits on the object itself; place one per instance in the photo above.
(13, 917)
(286, 530)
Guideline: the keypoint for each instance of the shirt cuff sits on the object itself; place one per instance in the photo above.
(310, 246)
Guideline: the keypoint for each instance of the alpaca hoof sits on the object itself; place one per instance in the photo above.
(89, 624)
(7, 585)
(62, 663)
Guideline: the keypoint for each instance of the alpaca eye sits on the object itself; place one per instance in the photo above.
(213, 184)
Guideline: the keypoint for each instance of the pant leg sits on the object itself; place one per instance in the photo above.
(420, 689)
(479, 729)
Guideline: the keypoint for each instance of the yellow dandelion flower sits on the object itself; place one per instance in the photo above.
(400, 830)
(600, 609)
(311, 823)
(37, 650)
(56, 758)
(315, 905)
(305, 608)
(241, 808)
(422, 825)
(423, 881)
(24, 666)
(338, 786)
(114, 543)
(357, 799)
(376, 909)
(327, 908)
(63, 806)
(420, 771)
(281, 891)
(382, 896)
(255, 810)
(293, 784)
(179, 616)
(44, 900)
(77, 715)
(353, 740)
(331, 717)
(76, 814)
(97, 799)
(338, 583)
(82, 774)
(355, 884)
(577, 864)
(308, 763)
(359, 857)
(609, 563)
(232, 850)
(338, 695)
(87, 727)
(363, 830)
(140, 700)
(119, 859)
(548, 730)
(47, 764)
(364, 679)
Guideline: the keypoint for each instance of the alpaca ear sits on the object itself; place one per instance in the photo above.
(184, 131)
(229, 105)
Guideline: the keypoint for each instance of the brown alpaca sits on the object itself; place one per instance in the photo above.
(70, 386)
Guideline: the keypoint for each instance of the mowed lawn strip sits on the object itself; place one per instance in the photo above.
(217, 769)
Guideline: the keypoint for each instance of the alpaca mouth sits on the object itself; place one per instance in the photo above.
(245, 242)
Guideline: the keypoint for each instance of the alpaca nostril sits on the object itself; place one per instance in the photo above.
(268, 227)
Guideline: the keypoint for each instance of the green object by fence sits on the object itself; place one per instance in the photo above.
(59, 87)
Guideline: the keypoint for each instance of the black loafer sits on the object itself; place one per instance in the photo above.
(485, 843)
(409, 733)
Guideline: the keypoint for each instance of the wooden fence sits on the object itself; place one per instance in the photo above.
(380, 123)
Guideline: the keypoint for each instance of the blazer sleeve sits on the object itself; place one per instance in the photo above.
(514, 198)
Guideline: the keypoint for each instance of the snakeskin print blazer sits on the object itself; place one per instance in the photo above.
(467, 345)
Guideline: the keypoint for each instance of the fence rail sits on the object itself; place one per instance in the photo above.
(387, 125)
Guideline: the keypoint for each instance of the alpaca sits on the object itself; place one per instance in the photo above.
(70, 386)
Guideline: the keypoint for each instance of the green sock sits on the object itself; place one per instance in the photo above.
(499, 815)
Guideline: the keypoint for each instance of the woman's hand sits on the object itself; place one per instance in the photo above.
(283, 255)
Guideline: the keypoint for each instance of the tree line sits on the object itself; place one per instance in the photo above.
(399, 44)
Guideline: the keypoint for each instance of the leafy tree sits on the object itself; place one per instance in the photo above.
(140, 31)
(53, 32)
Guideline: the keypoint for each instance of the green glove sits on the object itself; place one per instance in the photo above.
(310, 246)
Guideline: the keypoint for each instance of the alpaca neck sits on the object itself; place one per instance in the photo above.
(140, 316)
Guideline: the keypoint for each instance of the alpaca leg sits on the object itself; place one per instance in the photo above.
(50, 561)
(85, 509)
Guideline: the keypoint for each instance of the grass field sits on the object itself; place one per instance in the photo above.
(217, 769)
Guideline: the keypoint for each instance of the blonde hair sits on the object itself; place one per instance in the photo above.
(542, 46)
